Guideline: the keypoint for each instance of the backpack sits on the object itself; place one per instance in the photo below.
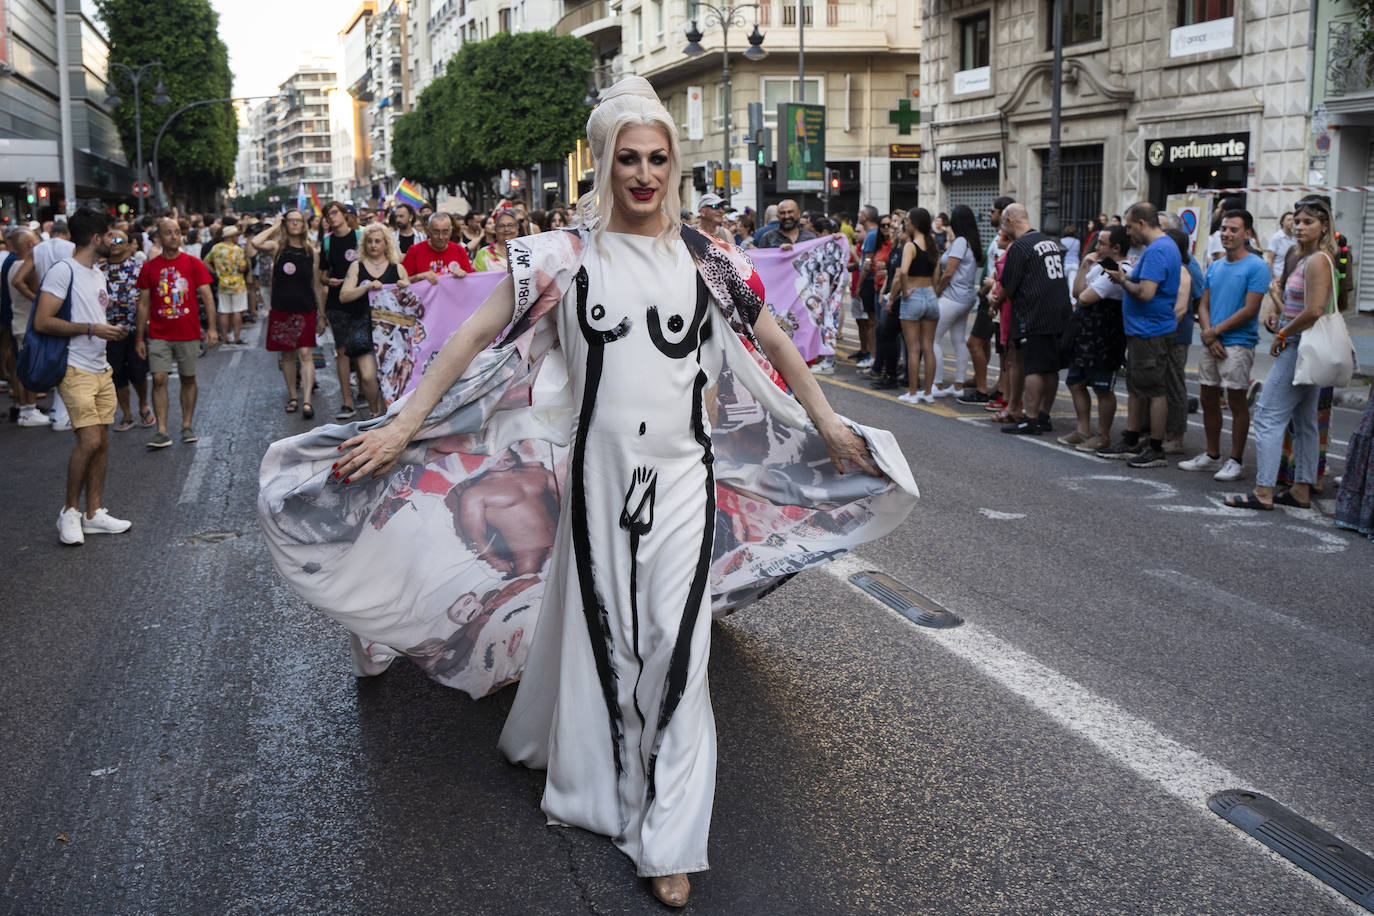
(43, 358)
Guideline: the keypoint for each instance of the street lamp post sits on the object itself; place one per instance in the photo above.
(725, 16)
(135, 75)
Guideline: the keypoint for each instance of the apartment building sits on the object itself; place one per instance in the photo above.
(388, 84)
(1157, 97)
(859, 59)
(298, 141)
(351, 108)
(30, 123)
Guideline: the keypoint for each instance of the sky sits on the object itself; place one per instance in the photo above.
(268, 39)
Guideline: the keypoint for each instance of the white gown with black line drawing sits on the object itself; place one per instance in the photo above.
(614, 700)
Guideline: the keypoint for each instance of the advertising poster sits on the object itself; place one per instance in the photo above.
(801, 147)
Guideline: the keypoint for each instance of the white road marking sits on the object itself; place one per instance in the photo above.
(1161, 490)
(190, 490)
(1001, 516)
(106, 771)
(1127, 739)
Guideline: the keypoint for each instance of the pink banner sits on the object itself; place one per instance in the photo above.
(411, 324)
(805, 288)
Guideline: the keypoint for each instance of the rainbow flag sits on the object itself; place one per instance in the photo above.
(315, 201)
(407, 193)
(301, 200)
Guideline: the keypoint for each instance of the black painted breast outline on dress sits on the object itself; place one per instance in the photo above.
(594, 336)
(693, 338)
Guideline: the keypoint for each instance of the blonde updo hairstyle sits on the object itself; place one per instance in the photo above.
(631, 102)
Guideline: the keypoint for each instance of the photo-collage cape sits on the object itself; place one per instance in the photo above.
(417, 563)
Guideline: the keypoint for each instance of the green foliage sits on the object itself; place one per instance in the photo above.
(197, 153)
(502, 103)
(261, 201)
(1363, 45)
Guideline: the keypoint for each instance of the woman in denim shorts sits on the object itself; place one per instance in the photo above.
(920, 310)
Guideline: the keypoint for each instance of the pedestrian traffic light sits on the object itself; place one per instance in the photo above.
(43, 193)
(32, 189)
(833, 179)
(515, 182)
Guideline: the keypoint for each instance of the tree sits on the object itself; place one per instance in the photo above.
(262, 200)
(198, 151)
(502, 103)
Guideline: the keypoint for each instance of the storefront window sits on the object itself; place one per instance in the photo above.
(1082, 21)
(1191, 12)
(1080, 185)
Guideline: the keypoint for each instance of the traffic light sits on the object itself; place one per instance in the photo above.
(42, 194)
(515, 181)
(833, 180)
(32, 189)
(763, 144)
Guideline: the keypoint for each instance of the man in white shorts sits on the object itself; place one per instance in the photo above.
(230, 266)
(1228, 317)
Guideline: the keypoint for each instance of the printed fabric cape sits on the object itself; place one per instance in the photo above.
(396, 560)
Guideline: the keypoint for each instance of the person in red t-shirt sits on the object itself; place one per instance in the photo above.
(438, 256)
(169, 286)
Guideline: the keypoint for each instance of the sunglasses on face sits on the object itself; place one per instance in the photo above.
(715, 206)
(118, 241)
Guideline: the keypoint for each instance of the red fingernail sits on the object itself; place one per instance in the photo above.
(340, 448)
(346, 480)
(335, 465)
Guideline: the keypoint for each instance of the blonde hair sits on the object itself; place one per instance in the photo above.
(281, 237)
(631, 102)
(388, 243)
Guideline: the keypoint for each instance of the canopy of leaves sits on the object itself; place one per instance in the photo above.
(262, 201)
(197, 153)
(502, 103)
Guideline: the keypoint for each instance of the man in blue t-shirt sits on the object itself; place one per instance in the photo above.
(1147, 310)
(1228, 317)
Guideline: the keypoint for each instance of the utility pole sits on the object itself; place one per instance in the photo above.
(1053, 190)
(64, 106)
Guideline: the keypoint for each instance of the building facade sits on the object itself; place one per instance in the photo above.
(859, 59)
(298, 139)
(30, 122)
(1158, 97)
(388, 85)
(351, 110)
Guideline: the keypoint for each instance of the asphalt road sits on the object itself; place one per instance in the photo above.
(182, 734)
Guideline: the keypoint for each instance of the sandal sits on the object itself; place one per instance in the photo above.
(1286, 498)
(1008, 418)
(1248, 501)
(291, 405)
(307, 412)
(124, 425)
(146, 417)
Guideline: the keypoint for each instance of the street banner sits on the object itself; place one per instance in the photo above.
(801, 147)
(805, 288)
(411, 324)
(695, 126)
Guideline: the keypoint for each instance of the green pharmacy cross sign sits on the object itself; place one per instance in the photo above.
(904, 117)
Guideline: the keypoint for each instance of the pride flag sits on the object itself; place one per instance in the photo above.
(315, 201)
(407, 193)
(301, 200)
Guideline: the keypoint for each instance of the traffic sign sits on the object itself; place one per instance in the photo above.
(141, 189)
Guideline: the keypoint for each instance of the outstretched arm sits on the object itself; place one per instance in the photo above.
(843, 444)
(374, 452)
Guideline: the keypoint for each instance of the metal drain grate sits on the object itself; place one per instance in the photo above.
(213, 537)
(905, 600)
(1300, 841)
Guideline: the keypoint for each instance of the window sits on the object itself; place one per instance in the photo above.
(693, 10)
(782, 89)
(656, 8)
(789, 12)
(636, 32)
(718, 118)
(503, 20)
(1191, 12)
(973, 42)
(1082, 21)
(1080, 185)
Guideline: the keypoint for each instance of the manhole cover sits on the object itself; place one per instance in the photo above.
(1300, 841)
(214, 537)
(905, 600)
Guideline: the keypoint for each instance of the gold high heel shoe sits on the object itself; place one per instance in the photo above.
(671, 890)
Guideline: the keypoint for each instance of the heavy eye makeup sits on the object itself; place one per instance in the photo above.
(630, 157)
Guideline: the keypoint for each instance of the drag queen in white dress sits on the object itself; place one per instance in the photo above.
(614, 699)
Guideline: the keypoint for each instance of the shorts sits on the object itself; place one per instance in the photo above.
(229, 303)
(1147, 365)
(89, 396)
(983, 325)
(1231, 373)
(1039, 353)
(1096, 379)
(858, 310)
(352, 332)
(162, 353)
(920, 305)
(125, 362)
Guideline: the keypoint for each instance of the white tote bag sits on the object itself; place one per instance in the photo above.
(1326, 356)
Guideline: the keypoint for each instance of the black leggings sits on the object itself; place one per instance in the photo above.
(889, 342)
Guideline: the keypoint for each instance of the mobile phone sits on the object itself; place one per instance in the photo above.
(1109, 264)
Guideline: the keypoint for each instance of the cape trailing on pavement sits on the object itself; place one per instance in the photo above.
(443, 559)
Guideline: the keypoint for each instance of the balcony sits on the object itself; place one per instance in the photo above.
(1346, 75)
(586, 19)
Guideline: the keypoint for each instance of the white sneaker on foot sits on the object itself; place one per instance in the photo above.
(923, 398)
(824, 367)
(944, 391)
(864, 363)
(69, 527)
(1231, 470)
(64, 426)
(103, 522)
(33, 417)
(1202, 462)
(907, 397)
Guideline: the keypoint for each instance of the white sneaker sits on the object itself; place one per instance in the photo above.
(1231, 470)
(944, 391)
(824, 367)
(103, 522)
(864, 363)
(65, 425)
(1202, 462)
(907, 397)
(923, 398)
(33, 418)
(69, 527)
